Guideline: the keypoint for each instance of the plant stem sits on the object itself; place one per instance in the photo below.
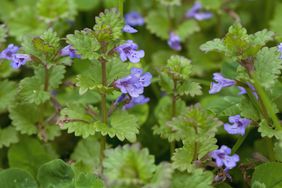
(104, 110)
(174, 97)
(120, 7)
(239, 142)
(266, 104)
(46, 81)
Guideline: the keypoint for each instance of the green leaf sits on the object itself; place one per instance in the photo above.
(162, 177)
(248, 110)
(257, 184)
(170, 2)
(186, 29)
(275, 23)
(55, 173)
(273, 168)
(28, 154)
(88, 180)
(214, 45)
(8, 136)
(183, 157)
(108, 25)
(267, 131)
(23, 21)
(128, 165)
(268, 66)
(3, 33)
(260, 38)
(122, 125)
(86, 5)
(51, 10)
(85, 43)
(87, 151)
(16, 178)
(198, 179)
(75, 119)
(190, 88)
(178, 67)
(214, 5)
(7, 94)
(24, 120)
(158, 23)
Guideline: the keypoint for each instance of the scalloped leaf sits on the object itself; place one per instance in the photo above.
(51, 10)
(267, 131)
(260, 38)
(128, 166)
(108, 25)
(179, 67)
(162, 177)
(268, 59)
(75, 119)
(85, 44)
(28, 154)
(158, 23)
(16, 178)
(55, 173)
(198, 179)
(190, 88)
(122, 125)
(8, 136)
(214, 45)
(7, 94)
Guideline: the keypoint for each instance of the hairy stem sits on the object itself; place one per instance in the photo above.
(104, 110)
(174, 98)
(266, 104)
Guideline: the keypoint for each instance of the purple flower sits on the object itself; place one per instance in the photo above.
(174, 42)
(134, 19)
(129, 29)
(9, 52)
(195, 13)
(222, 157)
(19, 60)
(238, 125)
(243, 90)
(69, 51)
(134, 83)
(129, 51)
(141, 99)
(221, 83)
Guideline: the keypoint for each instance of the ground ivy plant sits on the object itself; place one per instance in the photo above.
(127, 94)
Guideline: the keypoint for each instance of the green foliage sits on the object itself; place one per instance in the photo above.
(28, 154)
(178, 67)
(76, 120)
(158, 23)
(187, 28)
(267, 59)
(108, 25)
(55, 173)
(162, 177)
(87, 152)
(7, 94)
(16, 178)
(275, 24)
(268, 131)
(3, 33)
(197, 179)
(272, 168)
(8, 136)
(128, 166)
(190, 88)
(50, 10)
(122, 125)
(88, 180)
(85, 43)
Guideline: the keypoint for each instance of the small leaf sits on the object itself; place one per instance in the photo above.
(260, 38)
(158, 23)
(267, 131)
(190, 88)
(55, 173)
(214, 45)
(8, 136)
(85, 43)
(16, 178)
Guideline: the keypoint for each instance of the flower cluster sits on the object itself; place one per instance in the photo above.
(133, 85)
(17, 60)
(195, 12)
(238, 125)
(223, 157)
(132, 19)
(220, 83)
(129, 51)
(69, 51)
